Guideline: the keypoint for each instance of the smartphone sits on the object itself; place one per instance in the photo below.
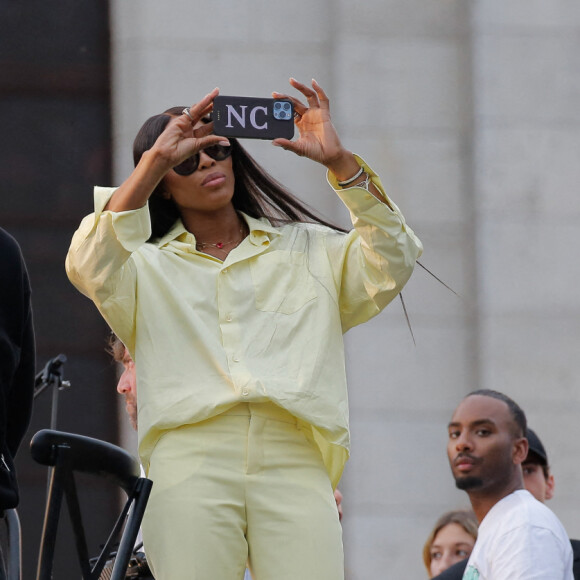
(253, 117)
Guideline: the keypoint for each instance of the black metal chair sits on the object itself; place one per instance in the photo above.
(68, 453)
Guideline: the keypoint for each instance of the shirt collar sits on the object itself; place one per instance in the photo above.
(261, 232)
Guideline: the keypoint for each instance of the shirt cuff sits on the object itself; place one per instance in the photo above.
(132, 228)
(359, 197)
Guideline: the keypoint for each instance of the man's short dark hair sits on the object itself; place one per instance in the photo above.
(516, 411)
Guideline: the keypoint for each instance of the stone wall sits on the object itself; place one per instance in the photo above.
(468, 110)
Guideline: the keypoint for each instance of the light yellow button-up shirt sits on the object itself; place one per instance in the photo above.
(266, 324)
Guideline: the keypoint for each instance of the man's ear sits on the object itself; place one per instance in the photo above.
(550, 485)
(520, 450)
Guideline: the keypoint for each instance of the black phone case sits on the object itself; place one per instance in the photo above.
(253, 117)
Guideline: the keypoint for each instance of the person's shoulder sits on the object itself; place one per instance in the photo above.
(520, 512)
(575, 558)
(309, 230)
(454, 572)
(7, 242)
(306, 226)
(535, 511)
(523, 501)
(10, 254)
(537, 508)
(527, 523)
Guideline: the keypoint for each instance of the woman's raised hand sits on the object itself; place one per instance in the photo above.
(181, 140)
(318, 139)
(178, 141)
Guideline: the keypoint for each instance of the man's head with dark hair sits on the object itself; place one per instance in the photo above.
(518, 415)
(486, 447)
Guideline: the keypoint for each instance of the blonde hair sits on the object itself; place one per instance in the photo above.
(465, 518)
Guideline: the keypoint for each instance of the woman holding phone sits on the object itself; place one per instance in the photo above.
(232, 298)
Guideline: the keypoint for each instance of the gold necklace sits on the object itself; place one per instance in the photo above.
(220, 245)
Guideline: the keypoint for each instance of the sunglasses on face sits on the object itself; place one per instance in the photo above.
(216, 152)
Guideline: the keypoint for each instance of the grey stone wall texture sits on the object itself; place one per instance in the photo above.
(469, 110)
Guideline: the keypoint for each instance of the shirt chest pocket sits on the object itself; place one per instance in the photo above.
(282, 281)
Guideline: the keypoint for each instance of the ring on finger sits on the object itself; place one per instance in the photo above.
(186, 112)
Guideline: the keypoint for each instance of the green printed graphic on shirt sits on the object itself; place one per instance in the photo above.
(472, 573)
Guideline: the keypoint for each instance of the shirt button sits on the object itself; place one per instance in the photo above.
(236, 359)
(225, 271)
(245, 393)
(229, 317)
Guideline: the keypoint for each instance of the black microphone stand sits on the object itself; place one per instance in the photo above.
(51, 376)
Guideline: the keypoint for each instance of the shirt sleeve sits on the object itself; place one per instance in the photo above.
(374, 261)
(532, 553)
(99, 261)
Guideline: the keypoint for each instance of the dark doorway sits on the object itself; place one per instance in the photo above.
(54, 147)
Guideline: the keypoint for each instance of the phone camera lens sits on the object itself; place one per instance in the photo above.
(286, 106)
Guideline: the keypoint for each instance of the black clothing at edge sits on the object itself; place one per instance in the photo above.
(17, 363)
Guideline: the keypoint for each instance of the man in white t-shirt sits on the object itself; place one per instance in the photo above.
(519, 538)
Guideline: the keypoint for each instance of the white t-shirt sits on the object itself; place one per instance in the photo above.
(520, 539)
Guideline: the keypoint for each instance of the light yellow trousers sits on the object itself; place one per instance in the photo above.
(247, 485)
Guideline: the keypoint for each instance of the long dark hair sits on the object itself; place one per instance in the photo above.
(256, 193)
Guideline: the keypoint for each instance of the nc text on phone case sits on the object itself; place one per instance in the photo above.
(240, 117)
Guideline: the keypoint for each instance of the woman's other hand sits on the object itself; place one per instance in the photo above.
(318, 139)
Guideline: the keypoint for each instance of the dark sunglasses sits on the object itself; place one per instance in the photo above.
(216, 152)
